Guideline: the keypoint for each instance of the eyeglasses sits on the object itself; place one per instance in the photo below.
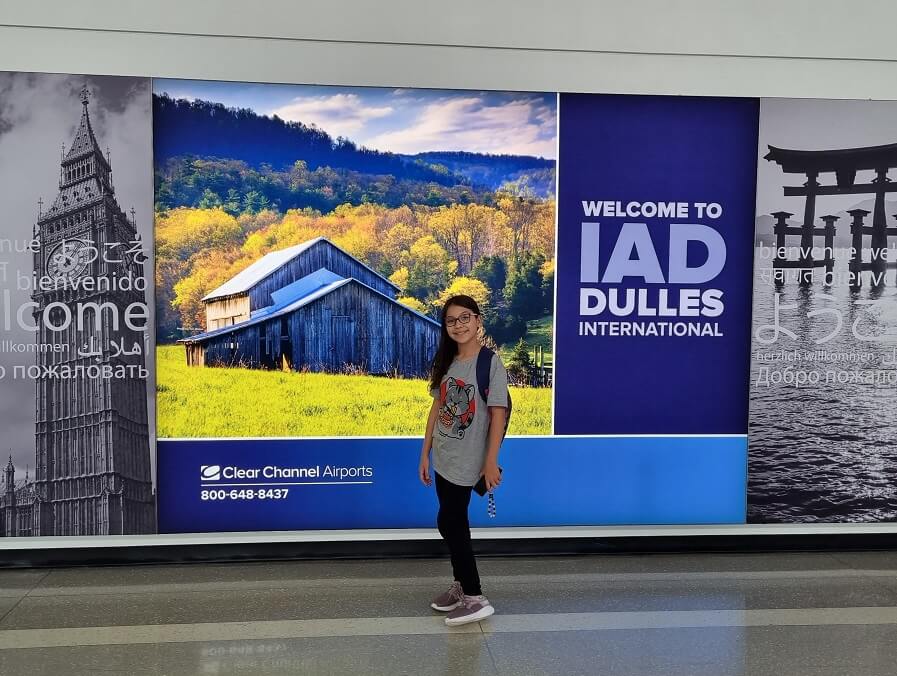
(460, 319)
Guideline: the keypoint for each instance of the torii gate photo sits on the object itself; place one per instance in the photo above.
(844, 164)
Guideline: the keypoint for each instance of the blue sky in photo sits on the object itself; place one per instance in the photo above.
(397, 120)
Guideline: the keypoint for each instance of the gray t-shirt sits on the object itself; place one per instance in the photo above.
(461, 432)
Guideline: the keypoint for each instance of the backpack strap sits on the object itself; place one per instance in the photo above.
(484, 366)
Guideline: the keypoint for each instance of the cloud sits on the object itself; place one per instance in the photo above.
(338, 115)
(522, 126)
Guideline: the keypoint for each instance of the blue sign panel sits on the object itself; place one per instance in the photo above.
(655, 232)
(308, 484)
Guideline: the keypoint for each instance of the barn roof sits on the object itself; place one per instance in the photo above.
(297, 295)
(269, 263)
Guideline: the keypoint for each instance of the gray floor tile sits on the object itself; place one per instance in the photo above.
(17, 583)
(7, 603)
(681, 652)
(760, 651)
(689, 595)
(268, 604)
(868, 650)
(661, 563)
(526, 585)
(286, 598)
(868, 560)
(370, 571)
(428, 571)
(448, 655)
(247, 572)
(765, 651)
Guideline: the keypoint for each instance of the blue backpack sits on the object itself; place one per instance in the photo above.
(484, 366)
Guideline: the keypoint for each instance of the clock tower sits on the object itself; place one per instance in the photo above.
(93, 474)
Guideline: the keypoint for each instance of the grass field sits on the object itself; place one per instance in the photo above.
(239, 402)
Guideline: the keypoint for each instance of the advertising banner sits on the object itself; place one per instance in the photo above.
(343, 483)
(307, 238)
(694, 299)
(656, 200)
(824, 368)
(75, 357)
(298, 288)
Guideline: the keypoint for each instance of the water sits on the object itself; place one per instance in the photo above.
(824, 452)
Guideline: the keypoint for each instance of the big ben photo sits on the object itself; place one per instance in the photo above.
(76, 355)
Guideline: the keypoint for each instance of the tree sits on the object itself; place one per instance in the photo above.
(413, 303)
(542, 237)
(260, 220)
(210, 270)
(397, 240)
(547, 272)
(168, 272)
(522, 213)
(523, 292)
(164, 198)
(520, 366)
(232, 202)
(209, 200)
(429, 268)
(361, 242)
(254, 201)
(464, 230)
(465, 286)
(447, 223)
(181, 232)
(300, 176)
(400, 278)
(493, 272)
(504, 328)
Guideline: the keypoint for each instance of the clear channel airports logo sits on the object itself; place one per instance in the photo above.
(210, 472)
(328, 473)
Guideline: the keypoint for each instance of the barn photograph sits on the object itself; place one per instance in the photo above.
(291, 310)
(306, 238)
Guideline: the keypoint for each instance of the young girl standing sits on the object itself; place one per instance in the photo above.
(464, 435)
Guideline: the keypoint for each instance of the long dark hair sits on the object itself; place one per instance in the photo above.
(448, 348)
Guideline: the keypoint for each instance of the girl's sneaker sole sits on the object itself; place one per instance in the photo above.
(481, 614)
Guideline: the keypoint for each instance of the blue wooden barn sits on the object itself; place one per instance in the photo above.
(313, 307)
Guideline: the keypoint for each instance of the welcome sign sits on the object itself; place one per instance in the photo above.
(654, 247)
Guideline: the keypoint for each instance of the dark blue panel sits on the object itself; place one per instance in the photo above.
(548, 482)
(655, 149)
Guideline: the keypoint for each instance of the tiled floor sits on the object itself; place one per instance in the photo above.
(781, 614)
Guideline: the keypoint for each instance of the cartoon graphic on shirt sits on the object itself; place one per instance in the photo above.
(457, 407)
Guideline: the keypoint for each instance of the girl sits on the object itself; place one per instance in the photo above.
(464, 431)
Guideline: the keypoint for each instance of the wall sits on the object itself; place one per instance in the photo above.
(798, 48)
(801, 48)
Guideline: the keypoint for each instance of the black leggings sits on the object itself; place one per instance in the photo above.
(455, 530)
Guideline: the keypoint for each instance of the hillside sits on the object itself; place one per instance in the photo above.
(208, 155)
(238, 187)
(207, 129)
(497, 171)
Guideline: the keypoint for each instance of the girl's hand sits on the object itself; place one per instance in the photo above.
(423, 470)
(492, 475)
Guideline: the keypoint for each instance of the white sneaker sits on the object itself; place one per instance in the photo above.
(471, 609)
(449, 599)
